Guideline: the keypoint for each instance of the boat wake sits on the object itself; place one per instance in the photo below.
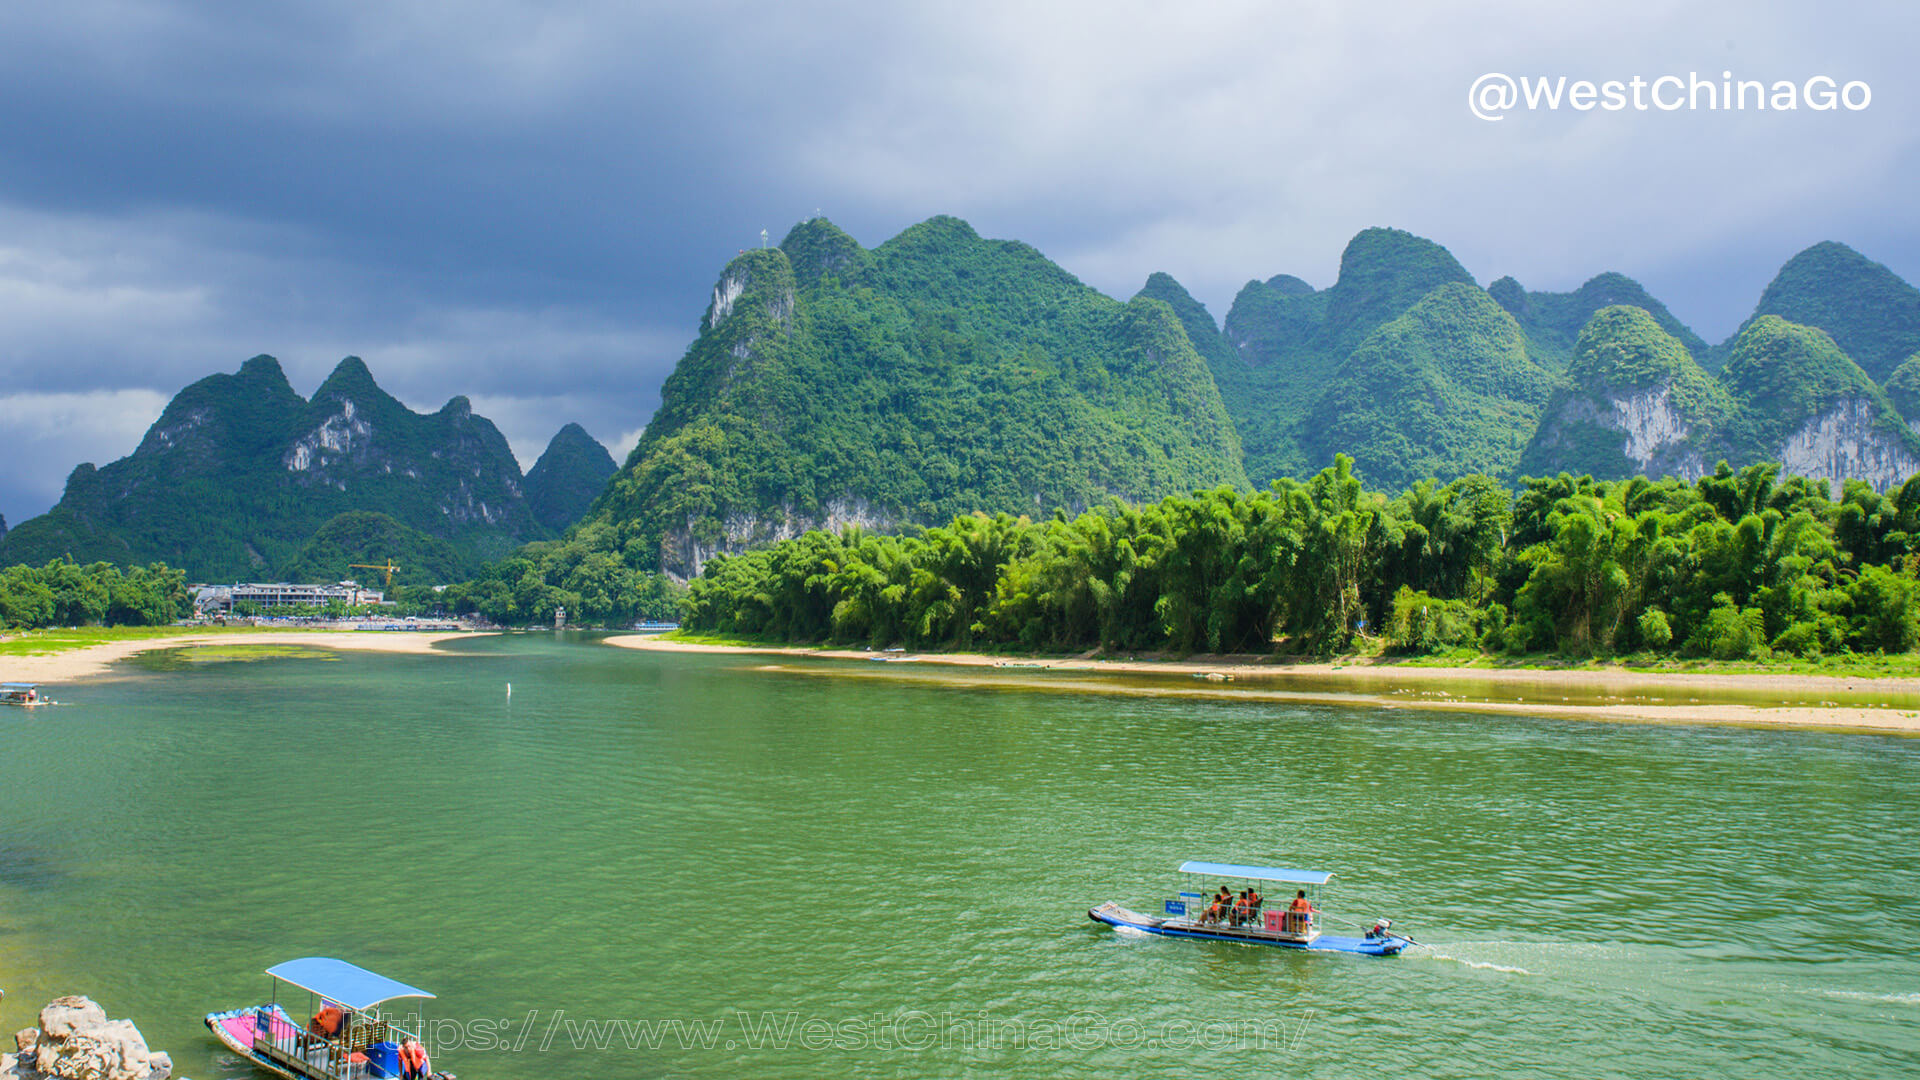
(1487, 955)
(1478, 965)
(1864, 995)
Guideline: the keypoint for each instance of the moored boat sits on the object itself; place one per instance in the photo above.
(347, 1038)
(1245, 917)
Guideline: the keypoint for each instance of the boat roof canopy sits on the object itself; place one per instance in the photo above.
(342, 983)
(1258, 873)
(18, 685)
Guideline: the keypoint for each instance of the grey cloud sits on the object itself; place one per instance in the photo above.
(526, 203)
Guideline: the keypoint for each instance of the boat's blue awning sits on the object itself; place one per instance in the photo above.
(342, 983)
(1258, 873)
(18, 686)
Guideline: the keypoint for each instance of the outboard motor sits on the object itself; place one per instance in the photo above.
(1379, 930)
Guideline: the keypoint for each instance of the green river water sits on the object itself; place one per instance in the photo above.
(770, 873)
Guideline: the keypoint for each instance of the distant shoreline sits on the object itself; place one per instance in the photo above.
(76, 665)
(1376, 684)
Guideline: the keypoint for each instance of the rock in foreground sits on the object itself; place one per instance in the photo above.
(76, 1041)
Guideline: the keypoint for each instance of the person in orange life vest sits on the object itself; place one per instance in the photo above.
(1217, 910)
(1300, 912)
(413, 1061)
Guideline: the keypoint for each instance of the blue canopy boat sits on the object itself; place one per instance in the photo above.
(1293, 922)
(347, 1037)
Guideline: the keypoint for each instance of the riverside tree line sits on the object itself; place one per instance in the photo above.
(64, 593)
(1737, 565)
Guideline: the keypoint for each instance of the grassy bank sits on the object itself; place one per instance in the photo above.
(52, 642)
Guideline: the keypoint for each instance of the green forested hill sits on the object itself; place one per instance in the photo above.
(370, 538)
(1445, 389)
(1633, 402)
(1867, 309)
(1782, 375)
(939, 373)
(570, 474)
(1194, 317)
(1553, 321)
(1289, 340)
(239, 473)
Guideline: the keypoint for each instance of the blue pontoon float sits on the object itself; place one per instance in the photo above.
(347, 1037)
(1290, 921)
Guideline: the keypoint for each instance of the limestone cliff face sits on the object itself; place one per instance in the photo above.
(688, 547)
(356, 436)
(1849, 441)
(1807, 405)
(1646, 427)
(1635, 402)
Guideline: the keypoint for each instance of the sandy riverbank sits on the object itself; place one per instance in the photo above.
(74, 665)
(1766, 699)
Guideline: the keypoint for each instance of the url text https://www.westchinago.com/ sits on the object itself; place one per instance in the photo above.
(910, 1030)
(1496, 95)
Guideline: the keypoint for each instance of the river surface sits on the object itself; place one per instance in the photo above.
(712, 869)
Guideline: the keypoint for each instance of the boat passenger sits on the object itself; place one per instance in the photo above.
(1217, 910)
(1299, 913)
(1254, 900)
(413, 1061)
(1243, 907)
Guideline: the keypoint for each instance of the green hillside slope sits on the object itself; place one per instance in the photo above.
(1446, 389)
(938, 374)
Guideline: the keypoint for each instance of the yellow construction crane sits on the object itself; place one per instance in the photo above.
(390, 567)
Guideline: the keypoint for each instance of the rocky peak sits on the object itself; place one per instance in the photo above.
(761, 279)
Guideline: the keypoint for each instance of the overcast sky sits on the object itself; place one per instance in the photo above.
(527, 203)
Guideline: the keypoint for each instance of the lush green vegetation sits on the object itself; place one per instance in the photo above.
(1871, 313)
(936, 374)
(1903, 389)
(240, 472)
(1739, 565)
(64, 593)
(585, 575)
(1289, 340)
(368, 538)
(1443, 390)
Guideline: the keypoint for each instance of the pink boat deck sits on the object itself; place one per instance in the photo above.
(242, 1027)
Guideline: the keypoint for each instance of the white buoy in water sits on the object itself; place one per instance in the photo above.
(509, 689)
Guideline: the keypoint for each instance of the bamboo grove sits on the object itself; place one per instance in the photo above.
(1736, 565)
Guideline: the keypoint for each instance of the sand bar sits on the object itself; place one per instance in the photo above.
(1374, 683)
(74, 665)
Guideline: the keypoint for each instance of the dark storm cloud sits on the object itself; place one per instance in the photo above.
(527, 203)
